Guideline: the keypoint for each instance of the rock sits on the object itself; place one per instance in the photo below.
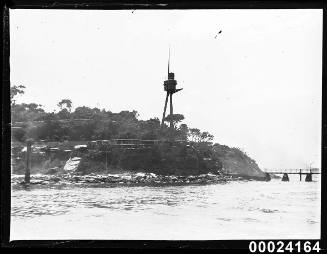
(55, 179)
(76, 178)
(153, 175)
(52, 170)
(36, 182)
(127, 177)
(140, 174)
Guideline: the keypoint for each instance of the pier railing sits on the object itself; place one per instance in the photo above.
(307, 172)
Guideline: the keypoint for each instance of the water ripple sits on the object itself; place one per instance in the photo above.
(195, 208)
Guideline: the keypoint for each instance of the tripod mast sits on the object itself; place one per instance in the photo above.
(170, 88)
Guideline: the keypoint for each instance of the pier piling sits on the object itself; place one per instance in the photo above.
(308, 177)
(28, 161)
(301, 172)
(285, 177)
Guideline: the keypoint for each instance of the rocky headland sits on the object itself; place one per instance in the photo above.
(149, 166)
(89, 144)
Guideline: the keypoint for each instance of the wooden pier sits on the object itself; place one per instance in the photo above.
(305, 172)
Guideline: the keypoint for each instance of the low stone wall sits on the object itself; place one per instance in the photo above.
(138, 179)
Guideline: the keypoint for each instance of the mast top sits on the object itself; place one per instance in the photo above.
(171, 75)
(168, 60)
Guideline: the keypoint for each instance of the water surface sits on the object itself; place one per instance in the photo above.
(235, 210)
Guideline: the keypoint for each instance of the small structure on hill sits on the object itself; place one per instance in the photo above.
(170, 89)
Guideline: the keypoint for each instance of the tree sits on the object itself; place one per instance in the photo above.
(194, 134)
(206, 137)
(176, 118)
(125, 114)
(183, 131)
(14, 91)
(67, 103)
(149, 129)
(63, 114)
(106, 129)
(83, 113)
(37, 108)
(197, 136)
(26, 112)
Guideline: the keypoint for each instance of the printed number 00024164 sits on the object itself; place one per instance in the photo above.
(281, 247)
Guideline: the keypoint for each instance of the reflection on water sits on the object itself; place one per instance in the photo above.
(236, 210)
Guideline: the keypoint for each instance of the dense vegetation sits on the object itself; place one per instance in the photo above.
(86, 123)
(197, 155)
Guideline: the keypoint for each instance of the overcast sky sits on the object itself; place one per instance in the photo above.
(256, 85)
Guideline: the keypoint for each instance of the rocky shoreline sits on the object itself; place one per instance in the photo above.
(134, 179)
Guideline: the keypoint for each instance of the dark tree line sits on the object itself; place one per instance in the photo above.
(85, 123)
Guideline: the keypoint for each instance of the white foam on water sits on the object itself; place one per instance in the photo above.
(236, 210)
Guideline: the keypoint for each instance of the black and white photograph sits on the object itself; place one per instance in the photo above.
(165, 124)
